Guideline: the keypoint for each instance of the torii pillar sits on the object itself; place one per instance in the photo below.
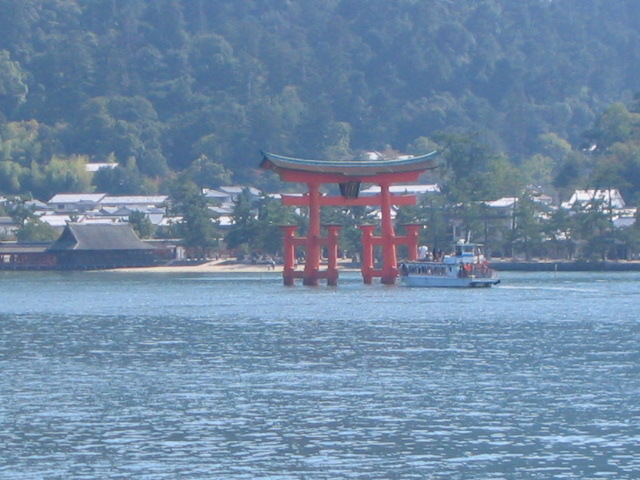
(389, 270)
(349, 176)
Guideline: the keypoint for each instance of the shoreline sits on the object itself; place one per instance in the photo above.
(221, 266)
(566, 266)
(231, 266)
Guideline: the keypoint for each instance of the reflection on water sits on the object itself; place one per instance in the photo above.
(109, 375)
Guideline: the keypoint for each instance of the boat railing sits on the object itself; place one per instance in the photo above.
(476, 270)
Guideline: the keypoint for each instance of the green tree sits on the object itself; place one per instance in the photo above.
(141, 224)
(466, 163)
(349, 218)
(127, 127)
(13, 83)
(11, 177)
(197, 228)
(616, 124)
(271, 216)
(208, 174)
(245, 227)
(591, 228)
(60, 175)
(527, 230)
(121, 180)
(35, 230)
(21, 213)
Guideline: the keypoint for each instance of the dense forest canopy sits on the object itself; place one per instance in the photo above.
(156, 85)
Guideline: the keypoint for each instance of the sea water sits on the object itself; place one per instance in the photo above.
(113, 375)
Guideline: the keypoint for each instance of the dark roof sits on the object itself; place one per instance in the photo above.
(348, 168)
(119, 236)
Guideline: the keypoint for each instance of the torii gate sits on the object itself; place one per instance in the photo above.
(349, 175)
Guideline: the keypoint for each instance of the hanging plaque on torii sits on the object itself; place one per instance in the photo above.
(349, 175)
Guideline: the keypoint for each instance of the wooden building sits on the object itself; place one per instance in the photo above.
(100, 246)
(26, 256)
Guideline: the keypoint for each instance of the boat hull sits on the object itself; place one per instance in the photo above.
(426, 281)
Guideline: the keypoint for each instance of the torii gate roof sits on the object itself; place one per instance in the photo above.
(347, 170)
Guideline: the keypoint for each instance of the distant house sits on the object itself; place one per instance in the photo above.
(7, 226)
(94, 167)
(216, 196)
(234, 191)
(154, 214)
(501, 211)
(134, 202)
(100, 246)
(609, 198)
(624, 217)
(400, 189)
(59, 220)
(152, 206)
(609, 201)
(76, 202)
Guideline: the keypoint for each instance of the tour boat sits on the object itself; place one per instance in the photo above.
(466, 267)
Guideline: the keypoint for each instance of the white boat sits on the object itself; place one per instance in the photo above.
(465, 268)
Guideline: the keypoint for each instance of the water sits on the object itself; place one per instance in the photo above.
(115, 375)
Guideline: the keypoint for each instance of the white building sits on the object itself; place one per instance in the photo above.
(135, 202)
(76, 202)
(400, 189)
(610, 198)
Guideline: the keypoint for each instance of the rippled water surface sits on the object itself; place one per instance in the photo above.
(172, 376)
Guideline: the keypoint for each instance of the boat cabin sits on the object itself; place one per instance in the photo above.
(466, 253)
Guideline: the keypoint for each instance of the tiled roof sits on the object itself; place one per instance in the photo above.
(348, 168)
(77, 197)
(118, 236)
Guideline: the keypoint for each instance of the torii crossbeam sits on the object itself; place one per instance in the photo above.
(349, 175)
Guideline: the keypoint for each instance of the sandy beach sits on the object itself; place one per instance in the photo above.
(219, 266)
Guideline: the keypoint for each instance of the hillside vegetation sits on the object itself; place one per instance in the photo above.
(169, 86)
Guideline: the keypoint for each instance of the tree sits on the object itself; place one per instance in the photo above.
(60, 175)
(13, 83)
(127, 127)
(349, 218)
(245, 227)
(271, 216)
(527, 230)
(208, 174)
(35, 230)
(591, 227)
(141, 224)
(197, 228)
(21, 213)
(464, 173)
(121, 180)
(616, 124)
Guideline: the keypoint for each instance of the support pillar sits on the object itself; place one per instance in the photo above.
(289, 254)
(333, 233)
(312, 258)
(390, 262)
(413, 238)
(367, 253)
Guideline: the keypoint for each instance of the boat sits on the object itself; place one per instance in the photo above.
(466, 267)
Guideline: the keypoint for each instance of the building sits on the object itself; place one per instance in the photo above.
(100, 246)
(76, 202)
(608, 198)
(420, 190)
(7, 227)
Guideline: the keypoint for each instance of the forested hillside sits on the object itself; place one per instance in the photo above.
(157, 85)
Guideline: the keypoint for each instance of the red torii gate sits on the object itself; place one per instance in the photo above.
(349, 175)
